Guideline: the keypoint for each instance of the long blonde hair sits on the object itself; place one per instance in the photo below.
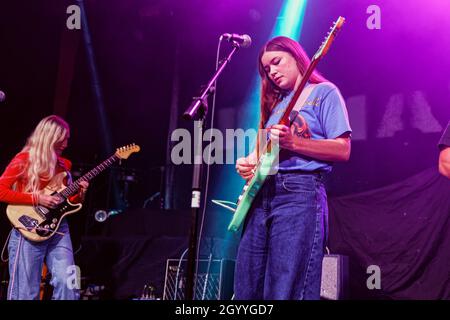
(41, 149)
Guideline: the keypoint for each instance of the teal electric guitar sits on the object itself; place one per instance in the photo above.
(269, 154)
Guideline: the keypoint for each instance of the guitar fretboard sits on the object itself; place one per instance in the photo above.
(75, 186)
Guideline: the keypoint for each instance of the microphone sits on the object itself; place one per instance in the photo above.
(244, 40)
(2, 96)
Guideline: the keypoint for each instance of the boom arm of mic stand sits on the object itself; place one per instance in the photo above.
(193, 109)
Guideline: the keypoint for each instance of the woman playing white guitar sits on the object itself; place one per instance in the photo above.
(29, 172)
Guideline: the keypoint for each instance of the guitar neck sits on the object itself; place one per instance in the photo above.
(75, 186)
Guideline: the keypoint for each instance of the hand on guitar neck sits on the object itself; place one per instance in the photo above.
(83, 189)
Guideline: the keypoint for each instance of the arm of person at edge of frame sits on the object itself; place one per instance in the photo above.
(444, 162)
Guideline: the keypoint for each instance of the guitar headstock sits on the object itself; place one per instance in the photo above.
(331, 35)
(125, 151)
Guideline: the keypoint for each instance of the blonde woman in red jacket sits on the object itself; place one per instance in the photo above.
(20, 184)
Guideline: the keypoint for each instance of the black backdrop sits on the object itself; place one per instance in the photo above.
(404, 229)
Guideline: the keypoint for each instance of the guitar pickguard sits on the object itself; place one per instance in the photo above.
(53, 218)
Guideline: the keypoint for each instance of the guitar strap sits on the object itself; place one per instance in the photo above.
(301, 102)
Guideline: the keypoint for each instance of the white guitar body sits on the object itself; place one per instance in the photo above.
(40, 223)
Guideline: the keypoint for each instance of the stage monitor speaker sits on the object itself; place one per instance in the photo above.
(214, 280)
(334, 285)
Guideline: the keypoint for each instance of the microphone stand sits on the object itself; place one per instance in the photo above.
(198, 110)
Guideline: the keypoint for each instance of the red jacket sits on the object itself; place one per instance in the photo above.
(15, 173)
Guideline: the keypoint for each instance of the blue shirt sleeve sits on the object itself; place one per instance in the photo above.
(333, 115)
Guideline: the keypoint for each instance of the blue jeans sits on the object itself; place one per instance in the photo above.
(281, 250)
(25, 266)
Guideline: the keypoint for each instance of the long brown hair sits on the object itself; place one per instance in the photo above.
(271, 95)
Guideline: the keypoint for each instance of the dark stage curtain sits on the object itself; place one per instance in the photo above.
(404, 229)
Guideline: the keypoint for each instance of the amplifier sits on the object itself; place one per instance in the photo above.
(334, 285)
(214, 280)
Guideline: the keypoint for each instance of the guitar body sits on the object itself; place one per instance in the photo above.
(251, 188)
(40, 223)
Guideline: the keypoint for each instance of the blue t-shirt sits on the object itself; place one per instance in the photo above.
(323, 116)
